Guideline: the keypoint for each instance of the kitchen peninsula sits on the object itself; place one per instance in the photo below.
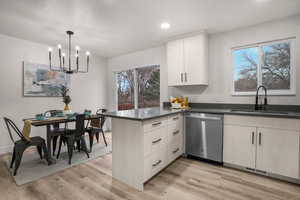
(144, 142)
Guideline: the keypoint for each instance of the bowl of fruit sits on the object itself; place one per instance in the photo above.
(177, 102)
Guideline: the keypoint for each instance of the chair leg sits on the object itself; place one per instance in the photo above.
(91, 136)
(19, 155)
(84, 146)
(70, 144)
(104, 137)
(45, 150)
(39, 149)
(97, 136)
(59, 147)
(13, 158)
(78, 145)
(54, 142)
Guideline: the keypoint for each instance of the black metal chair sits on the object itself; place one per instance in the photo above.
(22, 144)
(73, 136)
(96, 126)
(56, 131)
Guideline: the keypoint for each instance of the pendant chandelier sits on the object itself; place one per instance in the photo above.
(67, 67)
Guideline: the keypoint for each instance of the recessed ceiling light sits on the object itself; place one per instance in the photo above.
(165, 26)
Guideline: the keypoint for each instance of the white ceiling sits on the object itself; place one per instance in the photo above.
(115, 27)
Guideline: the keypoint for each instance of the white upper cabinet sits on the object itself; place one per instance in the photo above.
(188, 61)
(175, 62)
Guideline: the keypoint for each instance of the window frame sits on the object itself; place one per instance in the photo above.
(290, 92)
(134, 69)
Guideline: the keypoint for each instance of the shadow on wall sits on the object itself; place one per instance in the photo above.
(189, 90)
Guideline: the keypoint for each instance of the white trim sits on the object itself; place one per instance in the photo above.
(291, 91)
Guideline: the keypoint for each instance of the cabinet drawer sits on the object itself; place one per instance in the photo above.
(154, 124)
(154, 140)
(174, 133)
(174, 150)
(154, 163)
(175, 119)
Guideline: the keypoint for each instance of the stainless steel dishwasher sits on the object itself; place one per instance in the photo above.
(204, 136)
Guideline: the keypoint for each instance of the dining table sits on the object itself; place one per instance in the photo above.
(50, 121)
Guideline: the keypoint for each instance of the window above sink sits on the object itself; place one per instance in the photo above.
(271, 64)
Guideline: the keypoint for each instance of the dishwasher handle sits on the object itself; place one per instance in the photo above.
(204, 118)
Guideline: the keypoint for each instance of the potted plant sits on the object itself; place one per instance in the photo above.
(65, 97)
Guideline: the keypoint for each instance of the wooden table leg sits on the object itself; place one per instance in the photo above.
(49, 144)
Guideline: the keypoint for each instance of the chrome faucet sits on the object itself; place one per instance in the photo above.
(261, 107)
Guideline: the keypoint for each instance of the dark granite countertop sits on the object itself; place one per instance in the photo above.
(151, 113)
(143, 113)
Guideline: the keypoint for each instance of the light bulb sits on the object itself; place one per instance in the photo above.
(63, 54)
(165, 26)
(59, 46)
(77, 48)
(50, 49)
(76, 55)
(87, 53)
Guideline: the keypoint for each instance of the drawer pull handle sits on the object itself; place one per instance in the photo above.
(156, 141)
(156, 124)
(176, 150)
(259, 138)
(175, 118)
(157, 163)
(252, 137)
(175, 132)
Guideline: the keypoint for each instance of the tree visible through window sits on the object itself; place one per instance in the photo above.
(266, 64)
(125, 87)
(148, 79)
(143, 83)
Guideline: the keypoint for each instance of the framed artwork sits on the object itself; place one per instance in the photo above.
(39, 81)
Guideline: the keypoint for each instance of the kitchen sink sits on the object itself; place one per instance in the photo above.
(259, 111)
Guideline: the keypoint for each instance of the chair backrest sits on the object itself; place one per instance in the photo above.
(12, 126)
(80, 128)
(103, 118)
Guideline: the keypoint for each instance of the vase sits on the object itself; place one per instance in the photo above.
(67, 107)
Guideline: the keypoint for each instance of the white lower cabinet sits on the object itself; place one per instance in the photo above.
(278, 152)
(266, 147)
(162, 143)
(239, 145)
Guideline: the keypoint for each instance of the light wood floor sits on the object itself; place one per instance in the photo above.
(183, 180)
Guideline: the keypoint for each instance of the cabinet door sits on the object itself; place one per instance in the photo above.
(278, 152)
(175, 63)
(195, 60)
(239, 145)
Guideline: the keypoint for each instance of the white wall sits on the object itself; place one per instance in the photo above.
(153, 56)
(87, 90)
(220, 68)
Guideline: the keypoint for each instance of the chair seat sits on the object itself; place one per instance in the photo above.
(95, 129)
(33, 141)
(59, 130)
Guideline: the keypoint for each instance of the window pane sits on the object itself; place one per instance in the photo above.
(125, 87)
(148, 79)
(245, 69)
(276, 66)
